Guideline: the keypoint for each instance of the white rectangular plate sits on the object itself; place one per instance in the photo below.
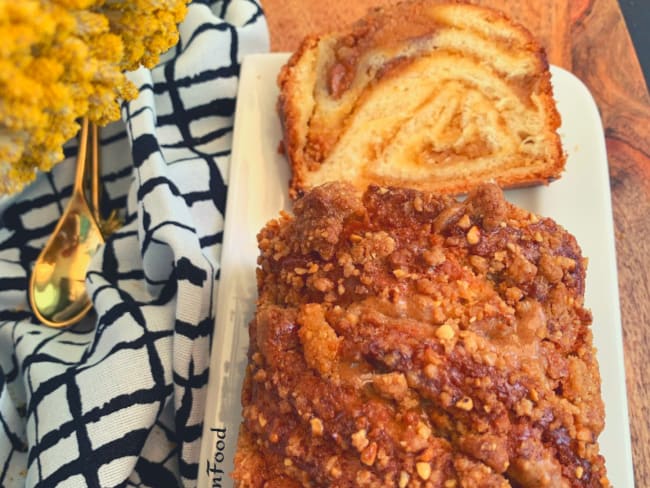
(579, 201)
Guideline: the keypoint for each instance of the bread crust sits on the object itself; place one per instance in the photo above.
(407, 339)
(318, 113)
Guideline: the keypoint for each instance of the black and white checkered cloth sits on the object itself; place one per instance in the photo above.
(117, 400)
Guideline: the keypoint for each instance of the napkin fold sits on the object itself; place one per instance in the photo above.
(118, 399)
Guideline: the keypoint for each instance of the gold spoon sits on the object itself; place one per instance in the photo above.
(57, 291)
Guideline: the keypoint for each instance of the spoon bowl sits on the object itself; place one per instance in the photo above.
(57, 290)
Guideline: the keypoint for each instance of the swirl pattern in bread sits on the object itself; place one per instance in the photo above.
(421, 95)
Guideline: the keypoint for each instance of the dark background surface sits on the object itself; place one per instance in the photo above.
(637, 18)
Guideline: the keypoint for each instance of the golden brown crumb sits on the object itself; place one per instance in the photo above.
(420, 94)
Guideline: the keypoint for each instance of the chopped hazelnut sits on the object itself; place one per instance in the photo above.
(434, 256)
(369, 454)
(579, 472)
(445, 398)
(423, 430)
(445, 332)
(424, 470)
(383, 458)
(366, 280)
(490, 358)
(465, 403)
(473, 235)
(425, 286)
(391, 385)
(431, 371)
(479, 263)
(359, 440)
(403, 479)
(316, 426)
(418, 204)
(514, 294)
(352, 318)
(260, 375)
(464, 222)
(524, 407)
(400, 273)
(323, 284)
(363, 477)
(332, 467)
(261, 420)
(566, 263)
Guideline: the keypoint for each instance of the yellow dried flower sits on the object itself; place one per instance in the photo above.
(64, 59)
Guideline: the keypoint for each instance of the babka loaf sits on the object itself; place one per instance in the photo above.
(421, 95)
(403, 339)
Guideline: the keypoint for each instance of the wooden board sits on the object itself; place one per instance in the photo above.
(590, 38)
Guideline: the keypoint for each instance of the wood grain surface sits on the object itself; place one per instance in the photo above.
(588, 37)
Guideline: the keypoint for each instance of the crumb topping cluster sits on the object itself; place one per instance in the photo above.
(404, 339)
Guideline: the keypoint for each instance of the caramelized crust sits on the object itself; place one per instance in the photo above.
(406, 339)
(419, 95)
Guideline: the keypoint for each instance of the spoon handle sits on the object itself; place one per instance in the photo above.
(96, 173)
(81, 158)
(113, 221)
